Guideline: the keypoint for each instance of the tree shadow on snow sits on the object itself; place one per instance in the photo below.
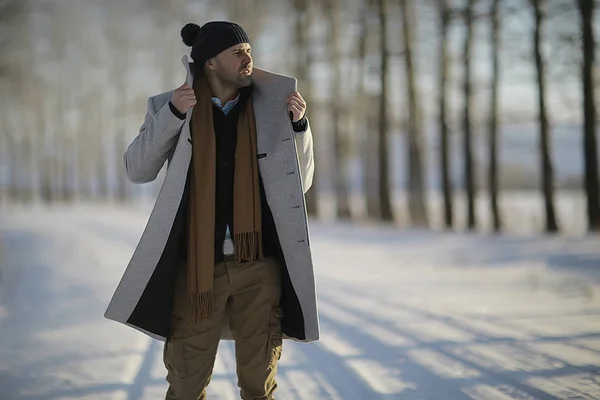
(422, 381)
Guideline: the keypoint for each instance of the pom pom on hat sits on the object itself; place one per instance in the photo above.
(189, 33)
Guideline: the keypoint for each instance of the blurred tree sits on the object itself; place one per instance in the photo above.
(545, 143)
(493, 122)
(120, 42)
(250, 14)
(12, 78)
(383, 148)
(12, 13)
(303, 19)
(467, 91)
(416, 164)
(11, 151)
(445, 19)
(364, 114)
(586, 11)
(340, 136)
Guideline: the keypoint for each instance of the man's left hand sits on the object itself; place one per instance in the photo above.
(296, 106)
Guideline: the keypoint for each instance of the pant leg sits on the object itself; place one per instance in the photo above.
(190, 351)
(255, 317)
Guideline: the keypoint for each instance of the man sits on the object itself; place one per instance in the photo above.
(240, 158)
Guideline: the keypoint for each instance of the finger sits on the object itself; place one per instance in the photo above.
(296, 111)
(296, 103)
(291, 96)
(300, 99)
(188, 100)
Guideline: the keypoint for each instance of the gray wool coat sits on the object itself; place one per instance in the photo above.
(143, 297)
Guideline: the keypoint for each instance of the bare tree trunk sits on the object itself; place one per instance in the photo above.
(340, 138)
(417, 199)
(384, 181)
(13, 167)
(79, 159)
(27, 160)
(63, 154)
(302, 23)
(5, 163)
(546, 159)
(100, 165)
(120, 148)
(365, 122)
(468, 141)
(58, 149)
(493, 171)
(444, 61)
(45, 164)
(586, 9)
(47, 193)
(10, 151)
(249, 14)
(83, 175)
(93, 147)
(66, 193)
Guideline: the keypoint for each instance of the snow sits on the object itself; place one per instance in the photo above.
(404, 314)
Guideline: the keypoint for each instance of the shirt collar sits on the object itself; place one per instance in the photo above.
(227, 106)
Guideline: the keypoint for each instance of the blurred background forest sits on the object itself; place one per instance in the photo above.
(437, 114)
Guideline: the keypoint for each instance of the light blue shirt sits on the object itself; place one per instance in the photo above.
(228, 106)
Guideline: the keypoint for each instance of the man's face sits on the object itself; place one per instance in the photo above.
(234, 65)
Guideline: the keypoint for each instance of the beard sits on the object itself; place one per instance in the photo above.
(234, 78)
(237, 79)
(244, 80)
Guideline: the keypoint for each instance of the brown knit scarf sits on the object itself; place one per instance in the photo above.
(247, 237)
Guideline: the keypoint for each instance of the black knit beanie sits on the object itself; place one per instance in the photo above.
(212, 38)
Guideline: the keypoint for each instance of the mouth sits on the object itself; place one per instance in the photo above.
(246, 72)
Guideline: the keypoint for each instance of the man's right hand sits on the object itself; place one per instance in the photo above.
(183, 98)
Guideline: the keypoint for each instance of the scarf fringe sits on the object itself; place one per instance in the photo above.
(202, 306)
(248, 246)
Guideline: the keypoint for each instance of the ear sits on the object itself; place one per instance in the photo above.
(210, 64)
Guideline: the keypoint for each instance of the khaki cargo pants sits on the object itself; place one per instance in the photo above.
(251, 292)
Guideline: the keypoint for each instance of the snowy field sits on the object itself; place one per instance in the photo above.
(405, 315)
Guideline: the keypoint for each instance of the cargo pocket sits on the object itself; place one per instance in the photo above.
(174, 355)
(275, 336)
(165, 358)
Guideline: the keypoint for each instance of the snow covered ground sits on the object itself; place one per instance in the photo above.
(404, 314)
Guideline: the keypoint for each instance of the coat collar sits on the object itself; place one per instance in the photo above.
(263, 81)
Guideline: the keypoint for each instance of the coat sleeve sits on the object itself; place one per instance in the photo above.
(306, 159)
(157, 136)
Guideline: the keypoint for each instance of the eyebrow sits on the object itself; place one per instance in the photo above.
(242, 49)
